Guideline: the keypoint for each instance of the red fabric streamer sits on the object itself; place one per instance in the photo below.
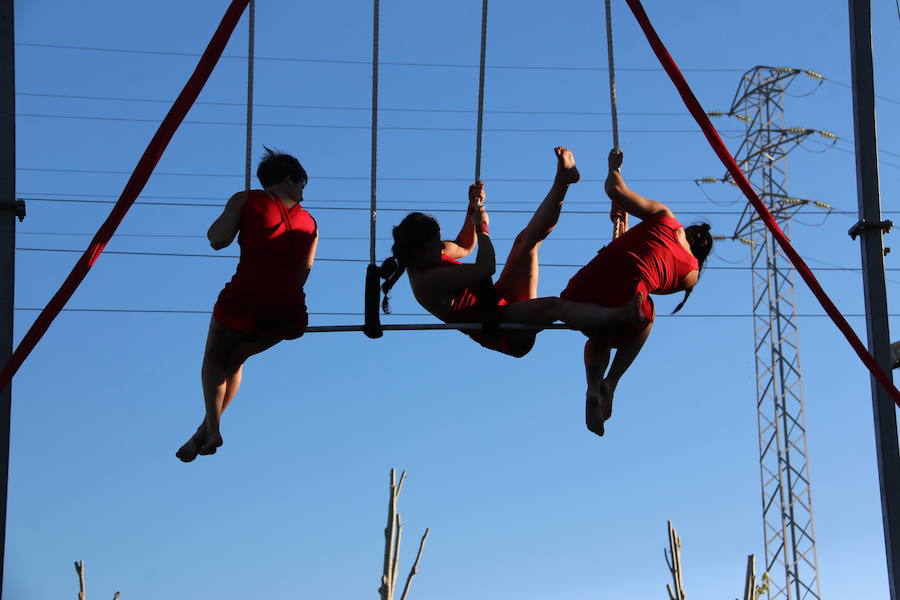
(693, 105)
(133, 188)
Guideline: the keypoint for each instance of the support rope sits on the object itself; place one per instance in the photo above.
(619, 223)
(251, 29)
(480, 128)
(612, 75)
(373, 213)
(372, 290)
(133, 188)
(693, 105)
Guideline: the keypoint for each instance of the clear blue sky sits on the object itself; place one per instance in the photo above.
(522, 501)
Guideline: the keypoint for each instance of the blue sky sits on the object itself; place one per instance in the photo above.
(521, 500)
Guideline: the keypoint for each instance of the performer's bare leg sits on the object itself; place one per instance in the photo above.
(519, 278)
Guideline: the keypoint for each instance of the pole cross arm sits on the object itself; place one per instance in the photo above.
(17, 207)
(864, 225)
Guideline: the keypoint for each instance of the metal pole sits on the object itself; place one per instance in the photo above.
(8, 213)
(870, 230)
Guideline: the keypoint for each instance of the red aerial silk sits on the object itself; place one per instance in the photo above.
(693, 105)
(133, 188)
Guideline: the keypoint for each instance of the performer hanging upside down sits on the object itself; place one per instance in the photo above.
(658, 256)
(264, 302)
(458, 293)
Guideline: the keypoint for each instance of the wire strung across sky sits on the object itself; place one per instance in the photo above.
(361, 261)
(368, 63)
(346, 178)
(417, 203)
(366, 109)
(367, 128)
(842, 212)
(360, 108)
(167, 311)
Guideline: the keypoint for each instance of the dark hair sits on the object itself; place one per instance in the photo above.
(410, 236)
(276, 165)
(700, 241)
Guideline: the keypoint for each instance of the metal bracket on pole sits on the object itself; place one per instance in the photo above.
(17, 207)
(863, 225)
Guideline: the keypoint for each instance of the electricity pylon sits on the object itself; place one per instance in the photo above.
(784, 466)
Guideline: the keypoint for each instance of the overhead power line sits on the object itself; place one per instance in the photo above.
(361, 261)
(347, 178)
(365, 127)
(368, 63)
(432, 209)
(365, 109)
(417, 203)
(425, 315)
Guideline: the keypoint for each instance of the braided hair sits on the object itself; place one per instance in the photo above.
(410, 236)
(700, 241)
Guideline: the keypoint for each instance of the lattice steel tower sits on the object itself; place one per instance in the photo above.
(784, 468)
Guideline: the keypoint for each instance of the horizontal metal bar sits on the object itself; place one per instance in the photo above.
(433, 326)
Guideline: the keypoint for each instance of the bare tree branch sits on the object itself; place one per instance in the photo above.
(676, 591)
(79, 568)
(415, 567)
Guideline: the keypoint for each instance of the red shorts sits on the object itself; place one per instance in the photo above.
(252, 313)
(609, 282)
(498, 342)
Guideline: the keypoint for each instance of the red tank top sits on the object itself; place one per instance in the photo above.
(652, 247)
(275, 243)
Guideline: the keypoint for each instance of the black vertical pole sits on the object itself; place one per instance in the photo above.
(8, 212)
(871, 230)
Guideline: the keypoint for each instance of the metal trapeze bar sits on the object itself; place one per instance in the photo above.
(433, 326)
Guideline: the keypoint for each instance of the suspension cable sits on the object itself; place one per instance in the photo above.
(620, 224)
(480, 128)
(373, 175)
(250, 47)
(372, 290)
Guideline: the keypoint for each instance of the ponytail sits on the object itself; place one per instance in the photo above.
(700, 241)
(414, 232)
(391, 270)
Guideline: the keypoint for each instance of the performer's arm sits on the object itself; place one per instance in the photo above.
(221, 233)
(628, 200)
(466, 239)
(462, 276)
(310, 259)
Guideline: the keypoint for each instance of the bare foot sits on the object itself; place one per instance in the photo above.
(190, 449)
(598, 407)
(210, 443)
(566, 172)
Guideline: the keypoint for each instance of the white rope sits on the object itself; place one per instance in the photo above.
(619, 223)
(373, 212)
(612, 75)
(480, 129)
(250, 43)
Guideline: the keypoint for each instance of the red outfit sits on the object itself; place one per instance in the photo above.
(464, 308)
(266, 292)
(647, 258)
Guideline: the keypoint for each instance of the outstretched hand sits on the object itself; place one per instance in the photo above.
(615, 159)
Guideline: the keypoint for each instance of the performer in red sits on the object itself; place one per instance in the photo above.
(658, 256)
(464, 293)
(264, 302)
